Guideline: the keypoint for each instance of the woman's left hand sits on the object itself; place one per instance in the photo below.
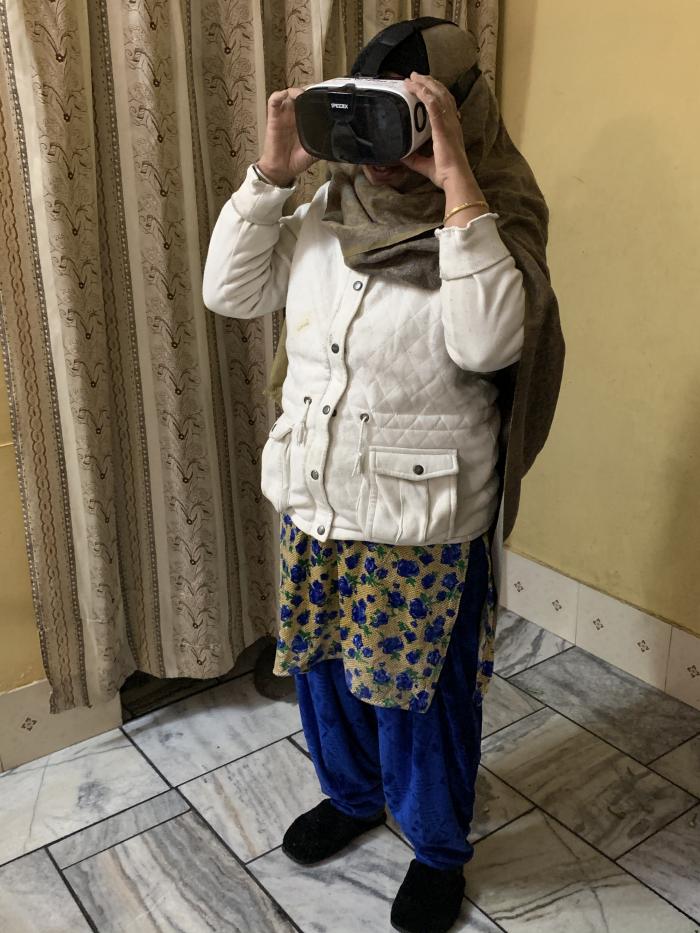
(448, 158)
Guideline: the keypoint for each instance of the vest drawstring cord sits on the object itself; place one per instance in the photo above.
(364, 417)
(300, 427)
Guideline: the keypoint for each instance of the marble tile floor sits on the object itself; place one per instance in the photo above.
(587, 815)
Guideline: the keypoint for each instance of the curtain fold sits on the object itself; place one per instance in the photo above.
(139, 416)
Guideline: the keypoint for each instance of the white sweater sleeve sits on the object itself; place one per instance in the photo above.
(250, 252)
(482, 294)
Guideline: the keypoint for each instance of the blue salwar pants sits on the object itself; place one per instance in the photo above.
(423, 765)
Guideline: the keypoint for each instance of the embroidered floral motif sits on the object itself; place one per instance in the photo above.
(387, 611)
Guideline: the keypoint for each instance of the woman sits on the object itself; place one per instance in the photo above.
(408, 320)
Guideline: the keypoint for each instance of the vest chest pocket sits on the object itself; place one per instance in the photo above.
(274, 464)
(409, 495)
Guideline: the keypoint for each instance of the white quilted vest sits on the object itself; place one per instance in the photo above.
(383, 437)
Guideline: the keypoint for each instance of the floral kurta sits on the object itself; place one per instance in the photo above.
(387, 611)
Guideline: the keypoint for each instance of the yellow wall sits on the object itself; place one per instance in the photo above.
(602, 98)
(20, 659)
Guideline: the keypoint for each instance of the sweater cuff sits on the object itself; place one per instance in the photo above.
(257, 202)
(469, 249)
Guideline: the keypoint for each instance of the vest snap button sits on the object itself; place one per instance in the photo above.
(321, 529)
(418, 468)
(335, 347)
(326, 409)
(314, 474)
(357, 285)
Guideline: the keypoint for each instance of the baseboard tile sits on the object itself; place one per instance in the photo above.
(650, 648)
(28, 730)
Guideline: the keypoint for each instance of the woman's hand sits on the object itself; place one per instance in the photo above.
(283, 156)
(448, 160)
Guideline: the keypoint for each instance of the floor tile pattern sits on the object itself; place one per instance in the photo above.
(587, 816)
(640, 720)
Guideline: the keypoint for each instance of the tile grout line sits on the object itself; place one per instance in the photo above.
(595, 734)
(541, 661)
(642, 842)
(410, 849)
(513, 723)
(195, 810)
(406, 843)
(76, 832)
(196, 692)
(233, 761)
(245, 868)
(176, 788)
(465, 897)
(585, 842)
(113, 845)
(610, 745)
(90, 922)
(534, 805)
(674, 749)
(657, 620)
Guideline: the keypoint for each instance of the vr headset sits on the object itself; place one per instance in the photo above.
(361, 120)
(368, 120)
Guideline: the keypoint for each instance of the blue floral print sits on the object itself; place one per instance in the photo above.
(387, 611)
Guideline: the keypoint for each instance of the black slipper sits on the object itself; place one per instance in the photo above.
(323, 831)
(429, 899)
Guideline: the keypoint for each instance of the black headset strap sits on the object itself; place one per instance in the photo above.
(464, 83)
(381, 46)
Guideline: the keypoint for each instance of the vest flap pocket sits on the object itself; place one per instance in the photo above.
(281, 427)
(414, 463)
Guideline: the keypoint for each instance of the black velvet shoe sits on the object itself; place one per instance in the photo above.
(429, 899)
(323, 831)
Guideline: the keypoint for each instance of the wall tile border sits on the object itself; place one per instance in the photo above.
(28, 730)
(645, 646)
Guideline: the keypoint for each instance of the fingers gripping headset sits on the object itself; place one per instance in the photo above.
(365, 118)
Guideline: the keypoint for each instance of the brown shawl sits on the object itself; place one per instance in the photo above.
(389, 233)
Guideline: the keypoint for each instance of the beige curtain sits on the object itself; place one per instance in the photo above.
(139, 416)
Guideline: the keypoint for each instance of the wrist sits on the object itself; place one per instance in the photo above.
(462, 184)
(273, 176)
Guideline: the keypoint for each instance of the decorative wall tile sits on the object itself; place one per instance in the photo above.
(540, 594)
(626, 637)
(637, 642)
(28, 730)
(683, 675)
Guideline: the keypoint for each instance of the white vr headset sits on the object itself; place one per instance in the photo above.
(369, 120)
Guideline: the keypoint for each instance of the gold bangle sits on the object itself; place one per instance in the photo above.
(463, 207)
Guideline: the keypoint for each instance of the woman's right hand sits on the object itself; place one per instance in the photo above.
(283, 156)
